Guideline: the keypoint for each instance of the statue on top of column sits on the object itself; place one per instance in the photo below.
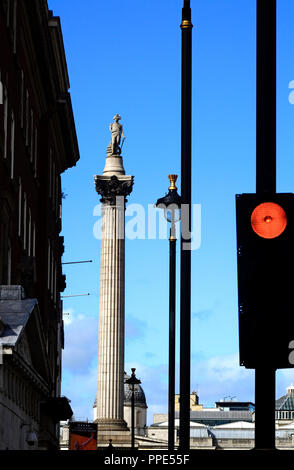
(116, 129)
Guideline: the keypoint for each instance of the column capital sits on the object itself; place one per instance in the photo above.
(110, 187)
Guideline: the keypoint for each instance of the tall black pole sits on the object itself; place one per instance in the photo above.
(185, 300)
(133, 417)
(266, 97)
(172, 345)
(265, 183)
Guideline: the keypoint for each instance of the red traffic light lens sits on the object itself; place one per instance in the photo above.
(268, 220)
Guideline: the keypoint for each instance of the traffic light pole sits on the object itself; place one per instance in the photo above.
(265, 183)
(265, 397)
(266, 97)
(185, 300)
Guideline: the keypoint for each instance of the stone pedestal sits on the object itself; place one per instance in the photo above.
(113, 186)
(114, 166)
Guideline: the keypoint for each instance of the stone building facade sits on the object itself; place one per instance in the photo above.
(28, 414)
(285, 407)
(37, 144)
(229, 425)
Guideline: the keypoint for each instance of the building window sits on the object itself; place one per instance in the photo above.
(24, 221)
(7, 4)
(12, 144)
(31, 142)
(1, 90)
(53, 186)
(22, 100)
(49, 265)
(11, 6)
(27, 124)
(19, 206)
(14, 24)
(4, 243)
(138, 419)
(9, 263)
(34, 239)
(57, 195)
(30, 233)
(36, 152)
(5, 121)
(55, 282)
(50, 173)
(52, 274)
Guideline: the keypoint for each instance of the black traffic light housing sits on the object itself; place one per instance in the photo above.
(265, 279)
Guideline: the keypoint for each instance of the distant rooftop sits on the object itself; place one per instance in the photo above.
(286, 402)
(235, 405)
(217, 416)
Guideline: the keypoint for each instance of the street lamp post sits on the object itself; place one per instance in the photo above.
(186, 190)
(132, 381)
(171, 205)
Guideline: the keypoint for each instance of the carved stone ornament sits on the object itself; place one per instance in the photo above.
(110, 188)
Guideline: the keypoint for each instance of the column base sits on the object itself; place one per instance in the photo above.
(114, 429)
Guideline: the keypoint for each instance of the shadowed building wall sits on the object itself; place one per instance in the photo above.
(37, 144)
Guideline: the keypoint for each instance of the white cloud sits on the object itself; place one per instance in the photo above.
(223, 368)
(81, 340)
(222, 376)
(68, 315)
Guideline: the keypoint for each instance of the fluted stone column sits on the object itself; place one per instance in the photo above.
(113, 186)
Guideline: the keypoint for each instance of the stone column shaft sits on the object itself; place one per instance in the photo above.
(110, 385)
(110, 388)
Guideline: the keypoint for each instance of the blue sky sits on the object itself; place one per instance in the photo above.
(124, 57)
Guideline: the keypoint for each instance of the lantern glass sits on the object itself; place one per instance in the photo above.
(172, 213)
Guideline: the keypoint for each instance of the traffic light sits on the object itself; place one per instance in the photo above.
(265, 253)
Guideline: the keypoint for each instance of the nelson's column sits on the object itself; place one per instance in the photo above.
(114, 186)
